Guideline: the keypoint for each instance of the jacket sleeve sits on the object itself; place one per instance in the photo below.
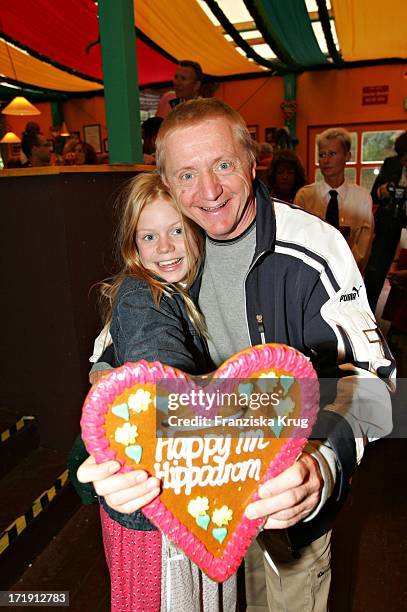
(389, 173)
(353, 361)
(142, 330)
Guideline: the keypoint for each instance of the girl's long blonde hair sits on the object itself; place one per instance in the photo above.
(142, 190)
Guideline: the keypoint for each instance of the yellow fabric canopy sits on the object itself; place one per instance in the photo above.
(183, 29)
(35, 72)
(370, 29)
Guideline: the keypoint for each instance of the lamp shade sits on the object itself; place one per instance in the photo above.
(64, 129)
(20, 106)
(10, 138)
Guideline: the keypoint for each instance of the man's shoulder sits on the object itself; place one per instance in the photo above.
(358, 191)
(307, 190)
(303, 234)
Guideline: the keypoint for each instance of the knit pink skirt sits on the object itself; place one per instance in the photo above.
(134, 561)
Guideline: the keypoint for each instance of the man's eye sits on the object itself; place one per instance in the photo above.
(225, 165)
(187, 176)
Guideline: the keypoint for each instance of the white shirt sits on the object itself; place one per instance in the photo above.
(355, 213)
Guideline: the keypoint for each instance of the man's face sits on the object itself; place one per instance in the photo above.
(332, 160)
(41, 153)
(185, 84)
(208, 171)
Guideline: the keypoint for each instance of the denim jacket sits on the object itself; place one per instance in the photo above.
(142, 330)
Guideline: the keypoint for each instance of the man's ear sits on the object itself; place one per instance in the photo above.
(197, 86)
(348, 156)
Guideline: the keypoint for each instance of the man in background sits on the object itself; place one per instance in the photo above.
(390, 193)
(346, 206)
(149, 131)
(187, 83)
(37, 150)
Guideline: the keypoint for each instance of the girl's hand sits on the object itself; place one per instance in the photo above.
(125, 493)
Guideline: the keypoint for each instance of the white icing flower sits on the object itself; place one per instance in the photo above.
(268, 382)
(126, 434)
(222, 516)
(139, 401)
(198, 506)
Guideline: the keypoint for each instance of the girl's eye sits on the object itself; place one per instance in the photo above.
(178, 231)
(148, 237)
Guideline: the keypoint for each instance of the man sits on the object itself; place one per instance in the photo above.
(187, 83)
(390, 217)
(149, 131)
(264, 278)
(37, 150)
(347, 206)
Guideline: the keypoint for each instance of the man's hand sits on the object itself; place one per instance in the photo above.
(383, 192)
(126, 492)
(289, 497)
(94, 377)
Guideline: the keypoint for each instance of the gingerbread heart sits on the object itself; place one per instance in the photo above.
(211, 440)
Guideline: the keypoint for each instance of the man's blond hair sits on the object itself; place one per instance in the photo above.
(196, 111)
(336, 133)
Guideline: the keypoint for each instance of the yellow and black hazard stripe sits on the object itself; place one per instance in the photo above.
(22, 522)
(13, 429)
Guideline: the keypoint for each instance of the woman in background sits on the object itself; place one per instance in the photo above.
(286, 175)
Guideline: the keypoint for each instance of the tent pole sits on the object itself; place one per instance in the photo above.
(116, 22)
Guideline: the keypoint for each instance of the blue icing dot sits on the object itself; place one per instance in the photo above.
(220, 533)
(161, 402)
(203, 520)
(122, 411)
(134, 452)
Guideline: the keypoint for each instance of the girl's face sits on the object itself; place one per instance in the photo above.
(160, 241)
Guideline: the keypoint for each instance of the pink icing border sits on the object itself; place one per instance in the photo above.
(239, 366)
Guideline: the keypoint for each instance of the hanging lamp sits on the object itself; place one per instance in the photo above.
(18, 105)
(64, 130)
(10, 138)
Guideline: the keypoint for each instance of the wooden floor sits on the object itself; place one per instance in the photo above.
(369, 551)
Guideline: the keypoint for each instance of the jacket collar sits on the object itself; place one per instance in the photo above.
(265, 219)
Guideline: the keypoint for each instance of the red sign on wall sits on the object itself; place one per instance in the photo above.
(375, 94)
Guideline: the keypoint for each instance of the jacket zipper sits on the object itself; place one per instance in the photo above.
(260, 325)
(262, 335)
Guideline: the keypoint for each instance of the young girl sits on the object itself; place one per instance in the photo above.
(152, 317)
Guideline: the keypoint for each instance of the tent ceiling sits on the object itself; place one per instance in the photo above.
(58, 48)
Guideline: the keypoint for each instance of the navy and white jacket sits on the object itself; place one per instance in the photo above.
(303, 289)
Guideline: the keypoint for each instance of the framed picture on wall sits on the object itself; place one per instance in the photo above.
(254, 131)
(270, 134)
(106, 145)
(92, 135)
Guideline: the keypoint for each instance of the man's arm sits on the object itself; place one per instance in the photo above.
(364, 230)
(342, 334)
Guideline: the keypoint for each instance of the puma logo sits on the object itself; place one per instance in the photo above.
(349, 297)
